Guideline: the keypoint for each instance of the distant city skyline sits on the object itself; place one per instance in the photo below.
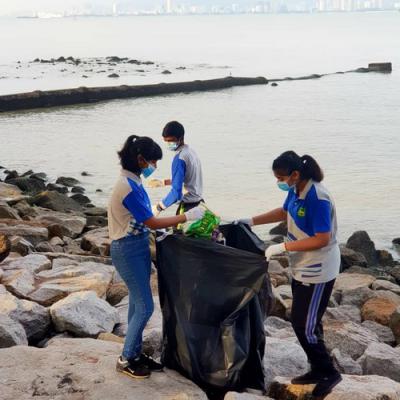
(57, 8)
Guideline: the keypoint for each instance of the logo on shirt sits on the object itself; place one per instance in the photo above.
(301, 212)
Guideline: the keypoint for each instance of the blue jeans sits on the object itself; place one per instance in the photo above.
(131, 258)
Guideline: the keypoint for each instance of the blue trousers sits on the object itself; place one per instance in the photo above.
(131, 258)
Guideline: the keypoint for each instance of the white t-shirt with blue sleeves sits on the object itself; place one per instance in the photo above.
(311, 212)
(129, 207)
(186, 175)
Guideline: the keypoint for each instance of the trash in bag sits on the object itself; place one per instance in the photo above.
(203, 228)
(213, 314)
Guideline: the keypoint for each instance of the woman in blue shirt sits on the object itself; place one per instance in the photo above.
(130, 218)
(314, 258)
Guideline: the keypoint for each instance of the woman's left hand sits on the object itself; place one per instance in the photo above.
(274, 250)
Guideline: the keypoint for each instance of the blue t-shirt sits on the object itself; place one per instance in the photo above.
(311, 212)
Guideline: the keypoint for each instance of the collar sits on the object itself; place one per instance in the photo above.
(131, 175)
(180, 148)
(306, 189)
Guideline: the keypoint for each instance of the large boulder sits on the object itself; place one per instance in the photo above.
(33, 317)
(352, 387)
(345, 364)
(27, 184)
(97, 242)
(32, 232)
(280, 229)
(67, 181)
(348, 281)
(69, 225)
(55, 284)
(343, 313)
(384, 333)
(379, 310)
(56, 201)
(279, 328)
(354, 297)
(283, 358)
(9, 192)
(381, 284)
(8, 212)
(350, 338)
(12, 333)
(21, 246)
(72, 369)
(349, 257)
(84, 314)
(32, 262)
(360, 241)
(381, 359)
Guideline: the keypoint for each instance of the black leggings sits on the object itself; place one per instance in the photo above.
(309, 305)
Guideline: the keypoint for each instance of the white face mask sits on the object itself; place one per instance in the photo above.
(173, 146)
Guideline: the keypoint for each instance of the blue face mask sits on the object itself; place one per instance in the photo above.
(146, 172)
(172, 146)
(284, 186)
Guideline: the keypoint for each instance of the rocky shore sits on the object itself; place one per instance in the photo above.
(63, 309)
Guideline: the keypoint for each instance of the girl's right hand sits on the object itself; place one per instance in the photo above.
(195, 214)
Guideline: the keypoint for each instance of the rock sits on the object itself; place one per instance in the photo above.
(385, 67)
(67, 181)
(85, 173)
(274, 84)
(25, 210)
(352, 387)
(34, 234)
(97, 221)
(345, 364)
(280, 229)
(1, 274)
(19, 282)
(56, 201)
(80, 198)
(385, 258)
(360, 241)
(394, 324)
(5, 247)
(379, 310)
(44, 247)
(395, 272)
(113, 75)
(60, 282)
(279, 328)
(283, 358)
(277, 273)
(83, 314)
(77, 189)
(381, 284)
(350, 257)
(166, 72)
(96, 212)
(9, 192)
(384, 333)
(381, 359)
(343, 313)
(21, 246)
(285, 291)
(34, 318)
(57, 188)
(347, 281)
(116, 292)
(350, 338)
(33, 262)
(110, 337)
(97, 241)
(388, 295)
(244, 396)
(71, 225)
(28, 185)
(7, 212)
(355, 297)
(85, 369)
(12, 333)
(280, 307)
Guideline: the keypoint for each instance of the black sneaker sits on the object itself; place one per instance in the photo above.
(151, 364)
(308, 378)
(326, 385)
(133, 368)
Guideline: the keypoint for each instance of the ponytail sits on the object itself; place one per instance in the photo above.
(135, 146)
(310, 169)
(290, 161)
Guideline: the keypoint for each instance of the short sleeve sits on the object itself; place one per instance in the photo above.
(321, 216)
(138, 205)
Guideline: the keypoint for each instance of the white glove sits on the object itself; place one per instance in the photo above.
(274, 250)
(158, 208)
(195, 214)
(245, 221)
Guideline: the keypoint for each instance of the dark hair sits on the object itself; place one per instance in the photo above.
(138, 145)
(290, 161)
(174, 129)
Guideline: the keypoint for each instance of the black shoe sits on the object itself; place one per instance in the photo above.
(326, 385)
(133, 368)
(151, 364)
(308, 378)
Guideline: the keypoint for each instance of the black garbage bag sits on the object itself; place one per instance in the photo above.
(213, 315)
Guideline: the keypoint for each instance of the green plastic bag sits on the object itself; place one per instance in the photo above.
(203, 228)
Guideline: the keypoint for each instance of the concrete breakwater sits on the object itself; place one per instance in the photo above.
(54, 98)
